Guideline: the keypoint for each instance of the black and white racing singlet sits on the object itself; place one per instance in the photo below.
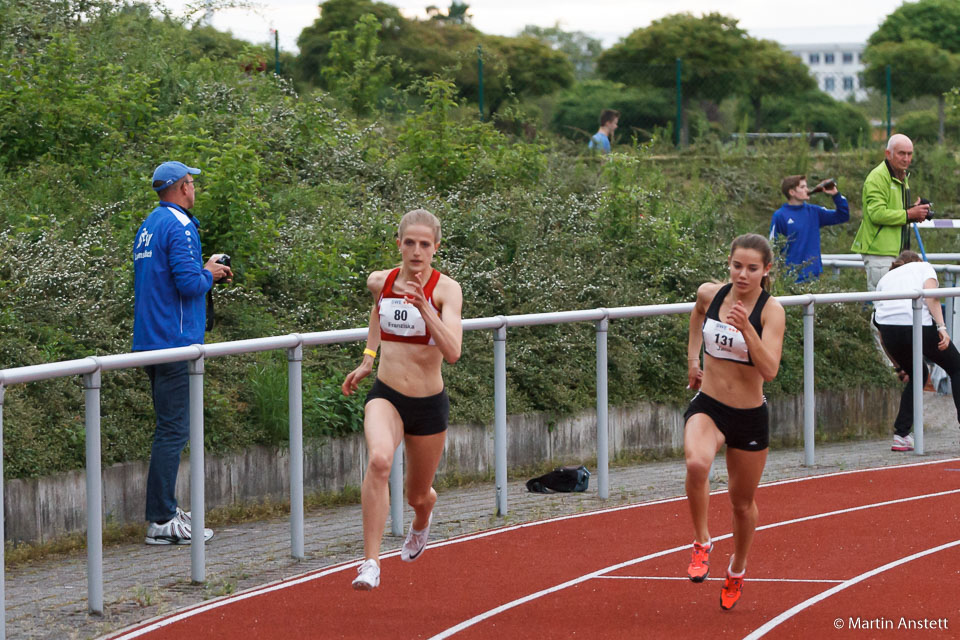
(725, 341)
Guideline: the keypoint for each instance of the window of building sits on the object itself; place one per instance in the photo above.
(848, 58)
(814, 58)
(848, 83)
(829, 84)
(828, 58)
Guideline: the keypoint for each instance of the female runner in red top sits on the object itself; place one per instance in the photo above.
(740, 328)
(416, 320)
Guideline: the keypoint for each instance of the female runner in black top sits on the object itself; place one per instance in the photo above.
(740, 327)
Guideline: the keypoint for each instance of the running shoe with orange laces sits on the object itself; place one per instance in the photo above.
(732, 588)
(700, 562)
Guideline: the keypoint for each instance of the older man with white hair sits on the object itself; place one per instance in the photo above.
(883, 233)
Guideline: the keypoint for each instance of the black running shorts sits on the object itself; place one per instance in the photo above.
(420, 416)
(747, 429)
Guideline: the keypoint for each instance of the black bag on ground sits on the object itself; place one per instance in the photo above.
(560, 480)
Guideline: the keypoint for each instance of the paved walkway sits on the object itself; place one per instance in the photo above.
(48, 598)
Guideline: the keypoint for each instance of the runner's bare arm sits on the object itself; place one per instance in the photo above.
(446, 328)
(350, 383)
(765, 352)
(705, 293)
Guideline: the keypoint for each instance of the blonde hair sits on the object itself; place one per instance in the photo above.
(421, 217)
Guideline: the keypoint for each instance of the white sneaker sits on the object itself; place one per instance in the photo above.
(904, 443)
(415, 542)
(176, 531)
(368, 576)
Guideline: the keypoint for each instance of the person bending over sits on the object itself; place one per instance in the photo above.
(894, 320)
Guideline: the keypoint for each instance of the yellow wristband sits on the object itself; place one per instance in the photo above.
(370, 352)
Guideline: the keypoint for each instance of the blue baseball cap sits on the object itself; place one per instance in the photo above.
(169, 172)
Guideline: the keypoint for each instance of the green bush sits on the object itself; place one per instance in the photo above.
(642, 110)
(307, 200)
(814, 111)
(442, 150)
(923, 127)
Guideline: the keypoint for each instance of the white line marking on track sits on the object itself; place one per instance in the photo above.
(307, 577)
(570, 583)
(792, 611)
(712, 579)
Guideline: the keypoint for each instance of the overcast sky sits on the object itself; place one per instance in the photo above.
(813, 21)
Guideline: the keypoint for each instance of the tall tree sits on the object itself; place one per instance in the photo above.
(580, 48)
(456, 14)
(920, 41)
(424, 48)
(773, 72)
(518, 66)
(719, 60)
(356, 71)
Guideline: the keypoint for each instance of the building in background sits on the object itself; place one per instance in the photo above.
(836, 67)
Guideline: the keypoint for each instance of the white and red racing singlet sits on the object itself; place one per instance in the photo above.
(400, 321)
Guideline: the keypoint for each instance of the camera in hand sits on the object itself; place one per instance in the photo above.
(829, 183)
(225, 261)
(929, 211)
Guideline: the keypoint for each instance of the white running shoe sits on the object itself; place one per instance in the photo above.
(415, 542)
(176, 531)
(904, 443)
(368, 576)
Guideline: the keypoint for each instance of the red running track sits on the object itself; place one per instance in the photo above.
(863, 554)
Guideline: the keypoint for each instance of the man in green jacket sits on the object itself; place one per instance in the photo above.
(883, 233)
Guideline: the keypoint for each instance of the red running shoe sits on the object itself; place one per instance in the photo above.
(732, 588)
(700, 562)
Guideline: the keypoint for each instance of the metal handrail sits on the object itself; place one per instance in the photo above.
(92, 367)
(950, 257)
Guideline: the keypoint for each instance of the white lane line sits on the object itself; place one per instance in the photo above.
(789, 613)
(539, 594)
(684, 578)
(307, 577)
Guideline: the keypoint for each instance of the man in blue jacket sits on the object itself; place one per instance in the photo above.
(170, 286)
(800, 222)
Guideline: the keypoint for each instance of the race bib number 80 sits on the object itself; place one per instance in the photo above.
(400, 318)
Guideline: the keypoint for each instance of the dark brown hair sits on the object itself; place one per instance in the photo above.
(789, 183)
(759, 244)
(607, 115)
(905, 256)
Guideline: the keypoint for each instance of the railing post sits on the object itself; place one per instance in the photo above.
(3, 560)
(809, 399)
(198, 570)
(603, 450)
(396, 492)
(91, 392)
(951, 279)
(295, 409)
(500, 414)
(916, 377)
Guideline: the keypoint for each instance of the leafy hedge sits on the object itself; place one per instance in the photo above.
(306, 200)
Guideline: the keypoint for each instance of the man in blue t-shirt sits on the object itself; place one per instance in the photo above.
(800, 223)
(170, 286)
(600, 141)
